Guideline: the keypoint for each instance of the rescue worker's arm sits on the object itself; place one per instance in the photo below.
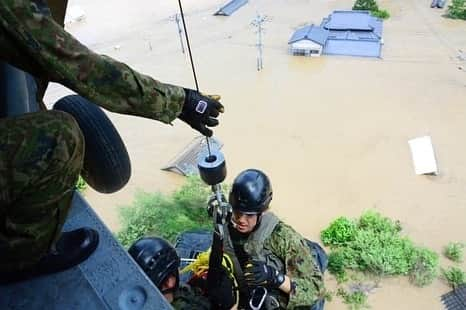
(45, 49)
(301, 268)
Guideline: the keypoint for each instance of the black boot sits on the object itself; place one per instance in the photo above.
(72, 248)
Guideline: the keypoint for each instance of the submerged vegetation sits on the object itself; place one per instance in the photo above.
(454, 251)
(356, 300)
(372, 6)
(166, 215)
(454, 276)
(365, 249)
(457, 9)
(373, 244)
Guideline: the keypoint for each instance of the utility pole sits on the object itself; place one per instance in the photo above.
(176, 18)
(257, 23)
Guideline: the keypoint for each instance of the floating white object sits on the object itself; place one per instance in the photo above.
(422, 152)
(74, 14)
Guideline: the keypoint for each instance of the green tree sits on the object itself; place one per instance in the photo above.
(371, 5)
(375, 245)
(366, 5)
(457, 9)
(166, 215)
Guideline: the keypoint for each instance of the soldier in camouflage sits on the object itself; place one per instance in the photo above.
(267, 253)
(159, 260)
(41, 153)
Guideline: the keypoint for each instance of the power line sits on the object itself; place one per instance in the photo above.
(176, 18)
(257, 23)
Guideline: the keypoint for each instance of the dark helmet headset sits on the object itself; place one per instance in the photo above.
(157, 258)
(251, 192)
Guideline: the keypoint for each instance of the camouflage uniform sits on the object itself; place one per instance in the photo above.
(31, 40)
(287, 249)
(189, 298)
(41, 153)
(40, 159)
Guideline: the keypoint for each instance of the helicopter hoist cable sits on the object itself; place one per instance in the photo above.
(192, 63)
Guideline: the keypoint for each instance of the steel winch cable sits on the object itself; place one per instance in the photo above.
(212, 170)
(192, 63)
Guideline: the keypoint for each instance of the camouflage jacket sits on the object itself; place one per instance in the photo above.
(187, 298)
(31, 40)
(298, 264)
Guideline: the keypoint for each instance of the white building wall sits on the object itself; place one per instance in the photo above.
(306, 47)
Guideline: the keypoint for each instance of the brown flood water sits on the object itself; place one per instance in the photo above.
(331, 132)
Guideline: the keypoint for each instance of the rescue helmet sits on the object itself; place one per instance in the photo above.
(251, 192)
(157, 258)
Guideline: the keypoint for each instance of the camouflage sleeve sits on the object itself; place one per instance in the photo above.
(35, 42)
(300, 265)
(187, 298)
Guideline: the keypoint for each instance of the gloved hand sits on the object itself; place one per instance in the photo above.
(200, 111)
(222, 295)
(258, 273)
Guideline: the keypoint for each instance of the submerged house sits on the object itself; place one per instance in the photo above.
(351, 33)
(308, 41)
(230, 7)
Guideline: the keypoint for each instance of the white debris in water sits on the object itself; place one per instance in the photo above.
(423, 156)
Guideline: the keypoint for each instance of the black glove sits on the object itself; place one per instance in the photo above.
(222, 295)
(257, 273)
(200, 111)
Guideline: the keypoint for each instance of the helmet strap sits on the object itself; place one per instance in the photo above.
(259, 218)
(168, 290)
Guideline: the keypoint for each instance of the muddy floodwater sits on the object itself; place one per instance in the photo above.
(331, 132)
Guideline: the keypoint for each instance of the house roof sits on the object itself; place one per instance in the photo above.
(353, 35)
(230, 7)
(353, 20)
(313, 33)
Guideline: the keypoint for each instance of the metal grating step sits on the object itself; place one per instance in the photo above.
(456, 299)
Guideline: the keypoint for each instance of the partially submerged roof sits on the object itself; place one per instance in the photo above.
(353, 20)
(353, 33)
(310, 32)
(230, 7)
(185, 162)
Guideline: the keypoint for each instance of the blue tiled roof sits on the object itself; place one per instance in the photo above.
(377, 25)
(352, 35)
(353, 20)
(312, 33)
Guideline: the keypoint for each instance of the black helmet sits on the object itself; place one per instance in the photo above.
(156, 257)
(251, 192)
